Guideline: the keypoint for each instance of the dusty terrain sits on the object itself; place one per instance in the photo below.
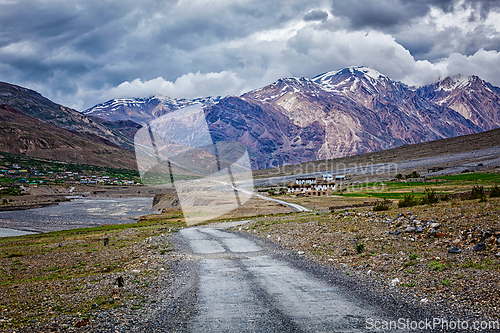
(389, 248)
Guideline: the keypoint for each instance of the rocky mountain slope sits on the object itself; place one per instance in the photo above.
(475, 99)
(23, 134)
(347, 112)
(143, 110)
(35, 105)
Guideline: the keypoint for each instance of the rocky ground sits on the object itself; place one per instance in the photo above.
(74, 282)
(445, 254)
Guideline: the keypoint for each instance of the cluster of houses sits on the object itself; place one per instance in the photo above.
(312, 186)
(66, 177)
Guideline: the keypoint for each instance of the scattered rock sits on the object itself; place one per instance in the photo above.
(410, 229)
(81, 323)
(454, 250)
(394, 282)
(479, 247)
(116, 292)
(434, 225)
(119, 281)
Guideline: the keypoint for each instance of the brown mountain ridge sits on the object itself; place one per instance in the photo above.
(22, 134)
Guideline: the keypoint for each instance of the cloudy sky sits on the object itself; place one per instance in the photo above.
(83, 52)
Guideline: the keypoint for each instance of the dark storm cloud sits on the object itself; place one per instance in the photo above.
(78, 51)
(101, 43)
(391, 14)
(378, 14)
(316, 15)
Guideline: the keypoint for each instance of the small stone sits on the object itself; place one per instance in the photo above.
(497, 255)
(120, 282)
(300, 252)
(410, 229)
(94, 306)
(432, 231)
(116, 292)
(424, 300)
(454, 250)
(479, 247)
(81, 323)
(394, 282)
(434, 225)
(418, 229)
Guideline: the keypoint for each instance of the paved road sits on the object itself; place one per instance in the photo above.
(243, 288)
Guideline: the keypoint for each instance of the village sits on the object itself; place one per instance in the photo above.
(18, 173)
(312, 186)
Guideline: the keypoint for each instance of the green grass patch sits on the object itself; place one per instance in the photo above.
(437, 266)
(473, 177)
(446, 282)
(485, 264)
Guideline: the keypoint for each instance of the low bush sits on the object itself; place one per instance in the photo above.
(430, 197)
(477, 192)
(384, 205)
(360, 247)
(408, 201)
(495, 192)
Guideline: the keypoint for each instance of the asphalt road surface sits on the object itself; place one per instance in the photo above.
(242, 287)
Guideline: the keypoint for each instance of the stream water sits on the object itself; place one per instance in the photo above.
(77, 213)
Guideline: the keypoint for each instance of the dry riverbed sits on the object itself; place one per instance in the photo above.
(405, 249)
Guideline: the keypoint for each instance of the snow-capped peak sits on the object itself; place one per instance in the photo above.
(456, 82)
(369, 72)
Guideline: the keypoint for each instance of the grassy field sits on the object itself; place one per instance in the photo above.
(70, 272)
(441, 185)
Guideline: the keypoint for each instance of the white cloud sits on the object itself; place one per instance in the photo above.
(189, 85)
(309, 52)
(485, 64)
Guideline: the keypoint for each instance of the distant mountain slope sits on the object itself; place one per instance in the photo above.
(475, 99)
(142, 110)
(456, 145)
(35, 105)
(22, 134)
(351, 111)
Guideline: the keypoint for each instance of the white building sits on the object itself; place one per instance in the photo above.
(327, 177)
(302, 181)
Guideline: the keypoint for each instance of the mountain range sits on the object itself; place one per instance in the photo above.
(33, 125)
(346, 112)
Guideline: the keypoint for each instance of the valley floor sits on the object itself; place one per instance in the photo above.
(405, 249)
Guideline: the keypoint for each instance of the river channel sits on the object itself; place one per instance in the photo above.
(80, 212)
